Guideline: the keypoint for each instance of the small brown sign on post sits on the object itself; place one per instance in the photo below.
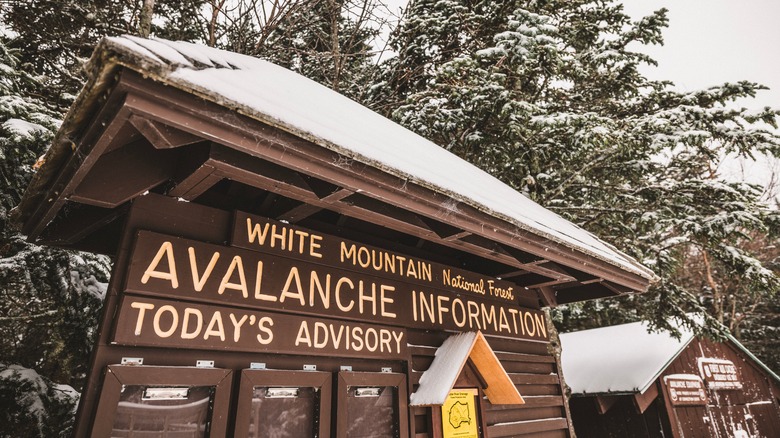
(719, 373)
(685, 390)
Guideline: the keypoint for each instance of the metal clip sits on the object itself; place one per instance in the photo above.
(310, 367)
(257, 366)
(205, 364)
(132, 361)
(346, 368)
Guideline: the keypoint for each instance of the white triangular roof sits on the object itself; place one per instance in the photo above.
(281, 98)
(618, 359)
(438, 380)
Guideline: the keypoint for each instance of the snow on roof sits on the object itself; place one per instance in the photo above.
(440, 378)
(619, 359)
(284, 99)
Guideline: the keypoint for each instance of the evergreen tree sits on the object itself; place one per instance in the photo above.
(49, 299)
(547, 96)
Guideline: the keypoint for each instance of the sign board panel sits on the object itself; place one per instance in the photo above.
(182, 269)
(459, 414)
(719, 373)
(151, 322)
(272, 237)
(685, 390)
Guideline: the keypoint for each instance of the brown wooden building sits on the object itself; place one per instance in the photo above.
(628, 382)
(289, 263)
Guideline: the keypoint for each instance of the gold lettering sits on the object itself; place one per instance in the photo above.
(256, 232)
(357, 337)
(386, 300)
(142, 308)
(281, 237)
(462, 321)
(303, 335)
(489, 317)
(236, 263)
(259, 281)
(166, 249)
(338, 294)
(473, 309)
(314, 246)
(200, 281)
(426, 307)
(398, 336)
(323, 292)
(320, 341)
(362, 297)
(237, 326)
(174, 322)
(530, 327)
(540, 326)
(185, 334)
(216, 320)
(265, 325)
(384, 340)
(442, 308)
(371, 331)
(298, 293)
(503, 321)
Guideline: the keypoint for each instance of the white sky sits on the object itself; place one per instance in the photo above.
(709, 42)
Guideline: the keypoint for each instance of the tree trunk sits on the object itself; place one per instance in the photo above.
(145, 20)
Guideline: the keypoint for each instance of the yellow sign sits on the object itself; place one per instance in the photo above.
(459, 414)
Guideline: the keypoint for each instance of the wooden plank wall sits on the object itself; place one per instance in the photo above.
(726, 407)
(530, 367)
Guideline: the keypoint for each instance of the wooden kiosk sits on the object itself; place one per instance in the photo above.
(626, 381)
(290, 264)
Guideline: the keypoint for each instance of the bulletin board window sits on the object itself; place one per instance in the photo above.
(152, 401)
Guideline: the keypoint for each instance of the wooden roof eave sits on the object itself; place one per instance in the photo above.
(253, 138)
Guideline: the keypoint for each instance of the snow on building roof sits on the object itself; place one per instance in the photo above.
(286, 100)
(618, 359)
(439, 379)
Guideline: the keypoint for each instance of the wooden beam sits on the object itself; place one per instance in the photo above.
(196, 183)
(642, 401)
(123, 174)
(251, 137)
(605, 402)
(547, 294)
(81, 221)
(305, 210)
(99, 136)
(162, 136)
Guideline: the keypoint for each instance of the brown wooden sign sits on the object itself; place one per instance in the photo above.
(151, 322)
(183, 269)
(262, 234)
(685, 390)
(719, 373)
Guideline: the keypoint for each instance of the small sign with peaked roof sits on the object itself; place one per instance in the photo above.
(437, 382)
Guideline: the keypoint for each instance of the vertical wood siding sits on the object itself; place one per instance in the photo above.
(532, 369)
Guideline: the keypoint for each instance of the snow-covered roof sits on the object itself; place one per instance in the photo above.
(618, 359)
(286, 100)
(451, 356)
